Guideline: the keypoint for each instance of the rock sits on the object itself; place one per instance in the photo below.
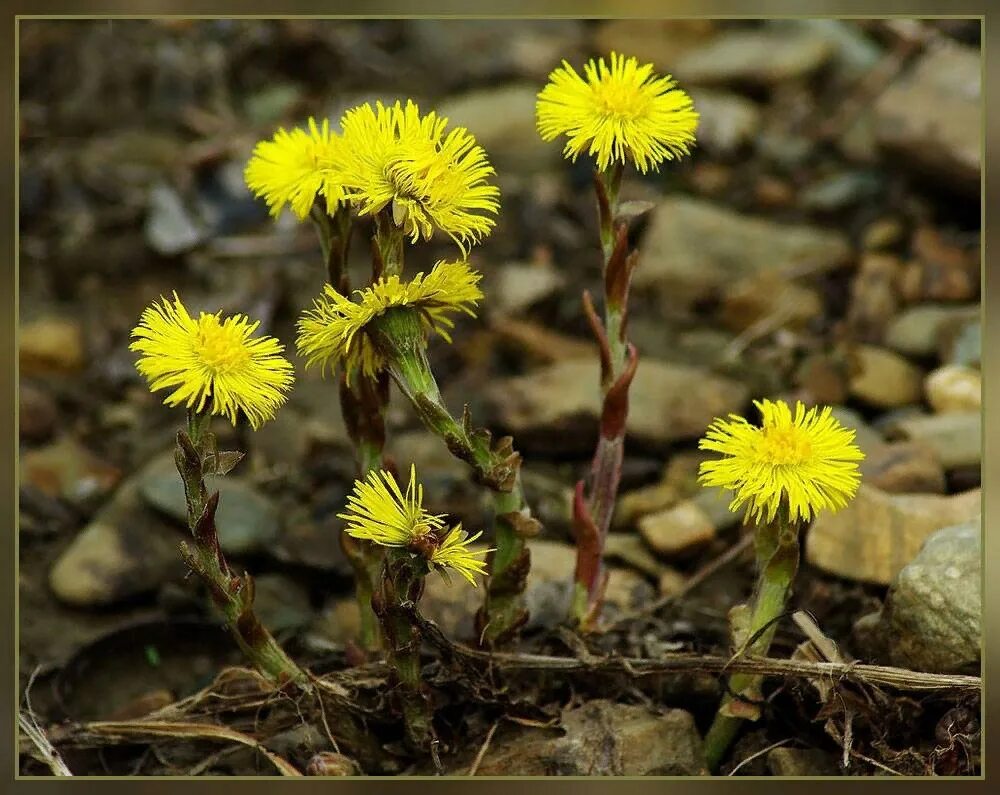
(51, 345)
(600, 738)
(448, 485)
(630, 549)
(882, 234)
(885, 379)
(37, 413)
(802, 762)
(310, 535)
(954, 388)
(877, 534)
(726, 122)
(874, 296)
(768, 295)
(693, 249)
(840, 190)
(330, 763)
(934, 608)
(943, 269)
(550, 585)
(170, 229)
(633, 505)
(956, 437)
(962, 343)
(678, 531)
(865, 436)
(667, 402)
(281, 603)
(671, 582)
(247, 521)
(759, 57)
(822, 379)
(503, 122)
(68, 470)
(930, 117)
(658, 41)
(904, 468)
(123, 552)
(854, 52)
(918, 330)
(516, 286)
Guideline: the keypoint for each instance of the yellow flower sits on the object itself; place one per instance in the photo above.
(617, 112)
(294, 168)
(809, 461)
(379, 511)
(454, 553)
(394, 157)
(333, 331)
(211, 359)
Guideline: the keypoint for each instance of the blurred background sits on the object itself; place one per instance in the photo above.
(822, 243)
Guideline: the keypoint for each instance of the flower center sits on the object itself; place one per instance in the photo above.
(620, 101)
(784, 446)
(220, 348)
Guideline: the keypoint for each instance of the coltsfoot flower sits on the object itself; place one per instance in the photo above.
(295, 167)
(394, 157)
(333, 333)
(619, 112)
(380, 512)
(809, 460)
(211, 362)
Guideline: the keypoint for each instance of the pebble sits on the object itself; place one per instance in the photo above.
(281, 603)
(633, 505)
(904, 468)
(37, 413)
(599, 738)
(934, 608)
(956, 437)
(629, 548)
(66, 469)
(516, 287)
(885, 379)
(678, 531)
(840, 191)
(170, 228)
(919, 330)
(51, 345)
(693, 249)
(942, 269)
(657, 41)
(554, 406)
(930, 117)
(802, 762)
(878, 533)
(768, 295)
(954, 388)
(726, 122)
(962, 343)
(759, 57)
(247, 521)
(123, 552)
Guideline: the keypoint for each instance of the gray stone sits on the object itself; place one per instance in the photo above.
(726, 121)
(802, 762)
(931, 117)
(934, 609)
(840, 190)
(877, 534)
(865, 436)
(281, 603)
(760, 56)
(667, 402)
(124, 551)
(247, 521)
(693, 249)
(903, 468)
(956, 438)
(170, 229)
(963, 344)
(600, 738)
(517, 286)
(917, 331)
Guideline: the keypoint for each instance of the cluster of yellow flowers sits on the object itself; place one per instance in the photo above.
(392, 159)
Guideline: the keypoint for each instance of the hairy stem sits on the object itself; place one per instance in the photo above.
(233, 594)
(399, 337)
(778, 560)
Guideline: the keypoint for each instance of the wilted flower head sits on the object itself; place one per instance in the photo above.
(211, 361)
(394, 157)
(295, 167)
(378, 511)
(808, 461)
(618, 112)
(333, 332)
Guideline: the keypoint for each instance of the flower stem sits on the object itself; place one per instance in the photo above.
(777, 548)
(399, 337)
(233, 594)
(592, 513)
(400, 588)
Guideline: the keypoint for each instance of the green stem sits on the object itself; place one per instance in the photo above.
(777, 548)
(399, 336)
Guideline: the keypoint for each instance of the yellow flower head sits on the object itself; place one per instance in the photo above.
(211, 359)
(809, 460)
(394, 157)
(617, 112)
(379, 511)
(294, 168)
(333, 331)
